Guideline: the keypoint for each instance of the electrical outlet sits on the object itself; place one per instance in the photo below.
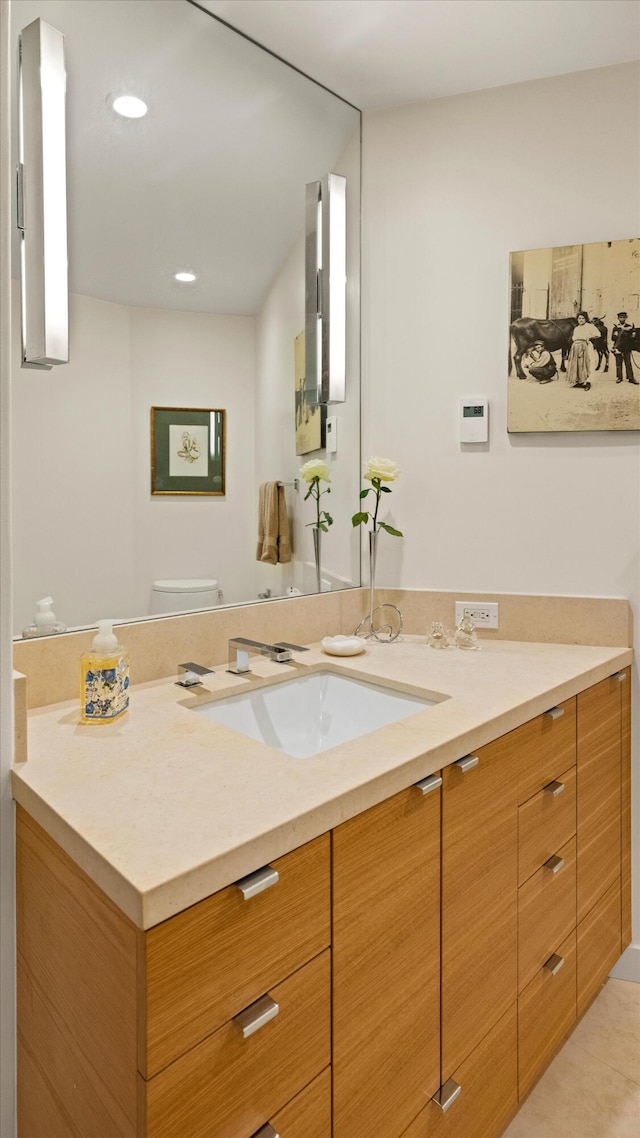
(484, 614)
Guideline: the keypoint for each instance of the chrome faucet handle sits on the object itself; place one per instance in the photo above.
(293, 647)
(239, 653)
(190, 674)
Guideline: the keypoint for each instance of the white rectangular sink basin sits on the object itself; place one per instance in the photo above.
(309, 714)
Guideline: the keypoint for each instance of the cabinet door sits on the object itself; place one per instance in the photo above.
(599, 791)
(479, 897)
(598, 945)
(488, 1095)
(385, 945)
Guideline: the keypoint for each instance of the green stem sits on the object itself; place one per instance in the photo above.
(375, 482)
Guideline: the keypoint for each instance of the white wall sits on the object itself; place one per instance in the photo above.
(450, 188)
(195, 359)
(86, 528)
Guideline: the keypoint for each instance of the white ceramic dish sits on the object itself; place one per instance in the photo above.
(343, 645)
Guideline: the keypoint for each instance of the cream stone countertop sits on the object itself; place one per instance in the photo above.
(164, 807)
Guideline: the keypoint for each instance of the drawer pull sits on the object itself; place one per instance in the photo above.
(256, 1015)
(555, 712)
(554, 863)
(466, 764)
(257, 882)
(266, 1132)
(554, 964)
(620, 676)
(555, 788)
(447, 1094)
(428, 784)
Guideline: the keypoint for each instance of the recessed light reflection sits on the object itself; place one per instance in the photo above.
(185, 276)
(129, 106)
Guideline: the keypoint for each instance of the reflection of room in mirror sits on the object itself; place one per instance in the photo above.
(146, 200)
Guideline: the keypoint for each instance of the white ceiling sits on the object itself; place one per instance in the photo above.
(378, 53)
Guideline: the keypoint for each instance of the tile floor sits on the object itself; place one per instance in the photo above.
(592, 1087)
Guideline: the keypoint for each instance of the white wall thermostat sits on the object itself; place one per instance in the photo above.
(473, 420)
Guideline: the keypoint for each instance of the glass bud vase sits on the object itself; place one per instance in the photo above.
(384, 622)
(317, 548)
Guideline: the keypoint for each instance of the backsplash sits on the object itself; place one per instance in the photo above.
(156, 647)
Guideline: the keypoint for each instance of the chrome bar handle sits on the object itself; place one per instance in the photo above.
(266, 1131)
(447, 1095)
(554, 964)
(426, 785)
(554, 863)
(620, 676)
(257, 882)
(555, 788)
(555, 712)
(256, 1015)
(466, 764)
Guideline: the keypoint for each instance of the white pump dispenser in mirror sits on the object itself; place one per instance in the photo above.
(45, 622)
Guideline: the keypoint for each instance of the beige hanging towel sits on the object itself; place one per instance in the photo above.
(273, 525)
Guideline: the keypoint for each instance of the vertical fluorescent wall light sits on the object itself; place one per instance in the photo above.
(326, 290)
(42, 197)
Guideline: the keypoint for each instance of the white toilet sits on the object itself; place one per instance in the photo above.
(184, 595)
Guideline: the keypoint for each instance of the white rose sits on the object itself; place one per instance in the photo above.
(382, 468)
(315, 468)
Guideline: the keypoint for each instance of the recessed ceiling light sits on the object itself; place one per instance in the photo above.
(129, 106)
(185, 276)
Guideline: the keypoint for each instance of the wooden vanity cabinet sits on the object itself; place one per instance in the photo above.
(420, 993)
(386, 966)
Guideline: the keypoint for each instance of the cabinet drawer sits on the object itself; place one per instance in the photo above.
(308, 1115)
(207, 963)
(599, 945)
(546, 747)
(545, 823)
(546, 912)
(228, 1085)
(489, 1090)
(546, 1013)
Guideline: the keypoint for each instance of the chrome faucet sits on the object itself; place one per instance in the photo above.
(240, 649)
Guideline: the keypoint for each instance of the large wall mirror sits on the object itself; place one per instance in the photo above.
(211, 181)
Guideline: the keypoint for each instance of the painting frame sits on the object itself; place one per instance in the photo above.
(188, 451)
(574, 338)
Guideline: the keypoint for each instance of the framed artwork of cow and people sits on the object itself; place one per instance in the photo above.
(574, 338)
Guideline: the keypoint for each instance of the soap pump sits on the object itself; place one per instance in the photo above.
(45, 622)
(104, 677)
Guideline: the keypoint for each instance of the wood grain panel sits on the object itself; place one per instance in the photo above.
(76, 956)
(210, 961)
(479, 898)
(228, 1085)
(545, 823)
(546, 1014)
(599, 790)
(385, 945)
(598, 945)
(547, 747)
(309, 1114)
(546, 914)
(489, 1095)
(625, 694)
